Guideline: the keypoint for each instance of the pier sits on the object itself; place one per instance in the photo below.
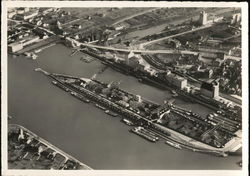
(147, 122)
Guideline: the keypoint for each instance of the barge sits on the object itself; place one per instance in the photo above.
(175, 145)
(127, 122)
(100, 107)
(139, 131)
(111, 113)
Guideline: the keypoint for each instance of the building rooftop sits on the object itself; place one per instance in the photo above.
(176, 77)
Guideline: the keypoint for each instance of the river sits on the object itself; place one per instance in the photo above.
(86, 132)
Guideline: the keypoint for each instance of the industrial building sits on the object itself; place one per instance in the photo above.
(11, 13)
(14, 47)
(22, 10)
(27, 15)
(236, 18)
(203, 18)
(176, 80)
(210, 90)
(203, 73)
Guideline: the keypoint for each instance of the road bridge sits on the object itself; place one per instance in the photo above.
(142, 45)
(139, 51)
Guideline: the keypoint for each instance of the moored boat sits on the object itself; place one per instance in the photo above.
(111, 113)
(99, 106)
(127, 122)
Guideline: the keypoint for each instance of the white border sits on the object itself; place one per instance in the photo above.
(245, 101)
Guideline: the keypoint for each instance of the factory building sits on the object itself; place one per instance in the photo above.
(210, 90)
(236, 18)
(176, 80)
(27, 15)
(45, 10)
(22, 10)
(204, 73)
(203, 18)
(138, 63)
(11, 14)
(29, 40)
(14, 47)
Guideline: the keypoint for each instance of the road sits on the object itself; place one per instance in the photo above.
(142, 45)
(132, 16)
(136, 50)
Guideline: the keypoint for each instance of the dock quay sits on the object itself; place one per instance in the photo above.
(41, 45)
(148, 79)
(77, 86)
(26, 145)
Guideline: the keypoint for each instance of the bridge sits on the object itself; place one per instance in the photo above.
(77, 43)
(142, 45)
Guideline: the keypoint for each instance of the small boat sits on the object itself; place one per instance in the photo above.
(239, 163)
(37, 51)
(54, 82)
(85, 100)
(99, 106)
(34, 56)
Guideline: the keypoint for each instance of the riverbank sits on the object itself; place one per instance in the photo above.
(93, 133)
(26, 150)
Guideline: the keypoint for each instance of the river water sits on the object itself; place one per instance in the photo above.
(86, 132)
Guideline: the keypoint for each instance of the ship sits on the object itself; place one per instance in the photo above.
(173, 144)
(111, 113)
(38, 51)
(127, 122)
(101, 107)
(140, 132)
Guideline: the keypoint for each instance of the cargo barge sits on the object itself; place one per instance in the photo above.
(111, 113)
(127, 122)
(143, 133)
(175, 145)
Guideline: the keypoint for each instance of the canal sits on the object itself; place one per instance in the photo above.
(86, 132)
